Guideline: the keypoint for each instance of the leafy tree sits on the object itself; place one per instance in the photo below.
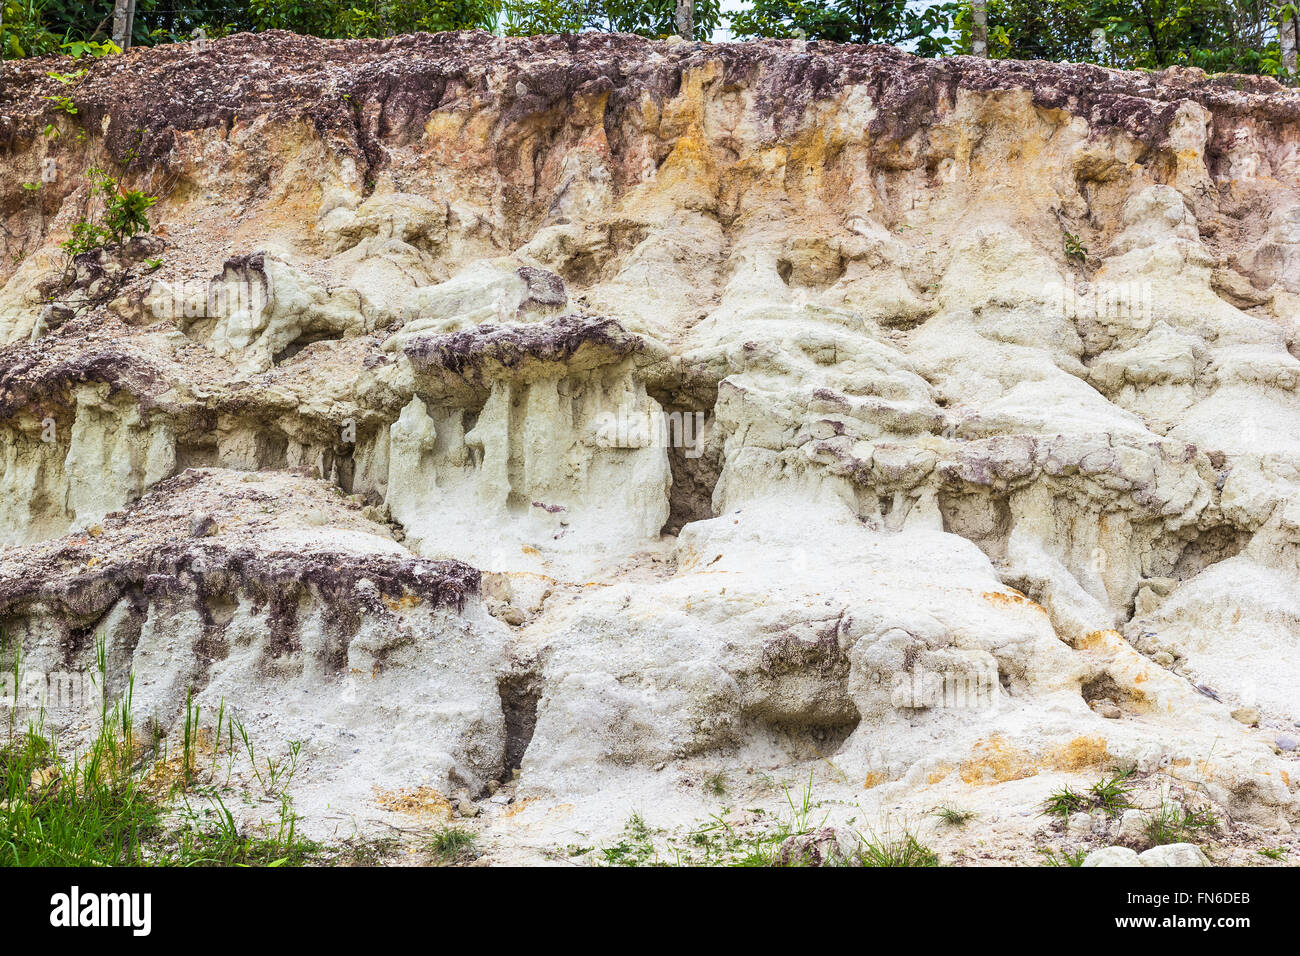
(656, 18)
(839, 21)
(24, 32)
(340, 19)
(155, 20)
(1236, 36)
(1029, 29)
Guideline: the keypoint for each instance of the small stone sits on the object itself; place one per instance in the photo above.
(493, 786)
(1079, 824)
(1146, 602)
(1107, 708)
(1173, 854)
(468, 808)
(823, 847)
(1163, 658)
(1113, 856)
(1162, 586)
(1246, 715)
(202, 526)
(54, 316)
(1132, 825)
(1284, 742)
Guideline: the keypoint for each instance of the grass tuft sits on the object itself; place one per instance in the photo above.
(1110, 795)
(1063, 858)
(1061, 803)
(954, 817)
(450, 843)
(1173, 823)
(902, 850)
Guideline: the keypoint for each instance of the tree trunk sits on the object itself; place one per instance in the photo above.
(123, 23)
(979, 28)
(1289, 33)
(686, 19)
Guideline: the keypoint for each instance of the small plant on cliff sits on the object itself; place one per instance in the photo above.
(901, 850)
(1074, 248)
(114, 215)
(1111, 794)
(1063, 857)
(1061, 803)
(954, 817)
(1173, 823)
(125, 214)
(451, 843)
(64, 104)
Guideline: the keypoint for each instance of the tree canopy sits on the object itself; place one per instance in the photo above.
(649, 18)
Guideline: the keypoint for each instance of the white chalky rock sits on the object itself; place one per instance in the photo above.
(887, 439)
(1112, 856)
(1174, 854)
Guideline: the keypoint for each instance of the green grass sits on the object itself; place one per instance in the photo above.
(120, 802)
(212, 838)
(1173, 823)
(721, 842)
(1274, 853)
(1063, 858)
(450, 843)
(1061, 803)
(636, 848)
(902, 850)
(93, 809)
(83, 809)
(954, 817)
(1110, 795)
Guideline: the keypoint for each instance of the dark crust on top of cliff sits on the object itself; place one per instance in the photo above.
(178, 567)
(150, 549)
(361, 93)
(470, 352)
(39, 374)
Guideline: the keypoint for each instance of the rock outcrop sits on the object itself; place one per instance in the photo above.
(591, 415)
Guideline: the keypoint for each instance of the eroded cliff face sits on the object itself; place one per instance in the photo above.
(628, 414)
